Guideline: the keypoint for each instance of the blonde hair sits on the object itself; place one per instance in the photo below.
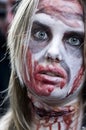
(19, 34)
(19, 116)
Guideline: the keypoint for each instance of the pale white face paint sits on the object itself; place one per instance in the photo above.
(56, 54)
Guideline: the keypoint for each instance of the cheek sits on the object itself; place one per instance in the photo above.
(78, 80)
(74, 53)
(28, 69)
(76, 65)
(37, 46)
(74, 60)
(31, 82)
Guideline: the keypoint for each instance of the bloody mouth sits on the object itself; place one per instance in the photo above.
(51, 76)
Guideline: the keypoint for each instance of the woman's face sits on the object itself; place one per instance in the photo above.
(55, 54)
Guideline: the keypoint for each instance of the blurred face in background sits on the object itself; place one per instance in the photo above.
(3, 12)
(55, 54)
(6, 14)
(10, 13)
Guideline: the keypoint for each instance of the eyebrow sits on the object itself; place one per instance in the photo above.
(37, 23)
(74, 33)
(64, 14)
(46, 26)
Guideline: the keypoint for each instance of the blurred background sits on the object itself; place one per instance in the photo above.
(7, 12)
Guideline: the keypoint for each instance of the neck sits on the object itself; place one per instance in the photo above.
(63, 117)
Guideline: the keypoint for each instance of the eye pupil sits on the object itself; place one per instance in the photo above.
(74, 41)
(40, 35)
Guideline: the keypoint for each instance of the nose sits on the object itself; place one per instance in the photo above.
(54, 52)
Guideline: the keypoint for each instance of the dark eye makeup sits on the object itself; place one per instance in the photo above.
(75, 39)
(42, 33)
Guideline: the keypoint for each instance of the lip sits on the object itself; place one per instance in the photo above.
(51, 75)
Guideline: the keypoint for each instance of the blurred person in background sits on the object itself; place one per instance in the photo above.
(7, 10)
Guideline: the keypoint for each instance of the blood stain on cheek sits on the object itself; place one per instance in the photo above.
(77, 81)
(39, 88)
(28, 69)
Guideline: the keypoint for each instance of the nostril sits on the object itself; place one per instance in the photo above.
(53, 57)
(49, 57)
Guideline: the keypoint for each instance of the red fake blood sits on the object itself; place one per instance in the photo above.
(29, 82)
(68, 120)
(40, 81)
(77, 80)
(40, 89)
(45, 82)
(38, 127)
(29, 70)
(50, 127)
(62, 84)
(59, 126)
(29, 61)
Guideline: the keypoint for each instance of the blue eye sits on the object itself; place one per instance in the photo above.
(40, 35)
(74, 41)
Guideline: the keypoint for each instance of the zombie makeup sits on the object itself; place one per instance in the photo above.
(54, 68)
(60, 118)
(66, 10)
(56, 44)
(54, 58)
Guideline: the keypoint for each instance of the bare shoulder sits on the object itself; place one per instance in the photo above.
(5, 121)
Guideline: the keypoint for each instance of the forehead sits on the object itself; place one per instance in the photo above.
(62, 5)
(69, 11)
